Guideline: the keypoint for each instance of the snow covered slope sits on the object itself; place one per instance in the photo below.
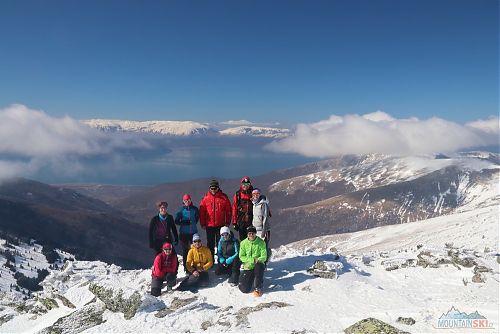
(420, 270)
(173, 128)
(257, 131)
(186, 128)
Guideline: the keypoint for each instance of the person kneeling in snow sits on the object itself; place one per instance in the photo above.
(164, 268)
(253, 255)
(198, 262)
(227, 254)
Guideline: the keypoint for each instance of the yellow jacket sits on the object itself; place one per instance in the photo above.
(199, 259)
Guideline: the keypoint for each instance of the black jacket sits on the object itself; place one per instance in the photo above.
(156, 241)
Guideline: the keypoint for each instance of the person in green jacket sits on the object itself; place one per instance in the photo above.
(253, 255)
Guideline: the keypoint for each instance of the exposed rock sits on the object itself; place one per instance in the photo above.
(326, 269)
(372, 326)
(5, 318)
(426, 259)
(176, 304)
(406, 321)
(115, 301)
(65, 301)
(206, 324)
(498, 259)
(393, 264)
(87, 317)
(48, 303)
(481, 269)
(478, 278)
(241, 316)
(164, 312)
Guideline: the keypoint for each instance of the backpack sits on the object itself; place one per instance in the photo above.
(244, 210)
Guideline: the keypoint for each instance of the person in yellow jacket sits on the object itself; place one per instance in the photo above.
(198, 262)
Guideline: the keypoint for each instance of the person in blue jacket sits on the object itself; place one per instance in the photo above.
(227, 255)
(187, 218)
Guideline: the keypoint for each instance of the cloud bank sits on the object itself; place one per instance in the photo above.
(31, 140)
(379, 132)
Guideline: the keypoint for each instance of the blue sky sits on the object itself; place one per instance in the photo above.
(264, 61)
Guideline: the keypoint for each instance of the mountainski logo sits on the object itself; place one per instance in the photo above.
(456, 319)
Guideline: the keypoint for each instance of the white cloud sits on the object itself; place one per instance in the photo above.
(490, 125)
(31, 139)
(240, 122)
(379, 132)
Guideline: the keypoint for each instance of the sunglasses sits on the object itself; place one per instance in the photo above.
(167, 249)
(196, 241)
(225, 234)
(214, 188)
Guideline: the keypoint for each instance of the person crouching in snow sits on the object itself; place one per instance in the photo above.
(253, 255)
(227, 254)
(198, 262)
(164, 269)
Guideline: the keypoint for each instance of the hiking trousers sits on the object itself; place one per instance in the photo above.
(252, 279)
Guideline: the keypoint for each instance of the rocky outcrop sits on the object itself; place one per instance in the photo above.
(175, 305)
(87, 317)
(406, 321)
(116, 302)
(241, 316)
(326, 269)
(372, 326)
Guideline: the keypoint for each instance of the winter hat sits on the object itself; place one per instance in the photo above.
(196, 236)
(245, 180)
(224, 229)
(186, 197)
(166, 245)
(256, 191)
(214, 183)
(251, 229)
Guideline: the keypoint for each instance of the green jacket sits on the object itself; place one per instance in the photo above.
(250, 250)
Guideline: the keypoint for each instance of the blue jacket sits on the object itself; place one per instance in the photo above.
(187, 218)
(228, 250)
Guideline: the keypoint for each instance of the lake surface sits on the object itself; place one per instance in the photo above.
(175, 164)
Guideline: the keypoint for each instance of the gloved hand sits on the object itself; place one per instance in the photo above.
(222, 260)
(236, 227)
(229, 261)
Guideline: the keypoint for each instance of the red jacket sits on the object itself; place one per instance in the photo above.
(164, 264)
(215, 210)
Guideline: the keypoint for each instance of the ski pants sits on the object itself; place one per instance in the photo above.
(185, 240)
(213, 236)
(252, 279)
(192, 283)
(232, 270)
(156, 283)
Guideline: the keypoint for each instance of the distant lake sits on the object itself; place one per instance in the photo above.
(176, 163)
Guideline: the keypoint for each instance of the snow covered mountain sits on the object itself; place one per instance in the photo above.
(172, 128)
(407, 276)
(257, 131)
(187, 128)
(355, 193)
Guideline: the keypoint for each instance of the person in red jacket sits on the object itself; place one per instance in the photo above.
(242, 208)
(164, 269)
(215, 212)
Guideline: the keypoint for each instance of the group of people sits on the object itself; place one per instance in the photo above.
(248, 215)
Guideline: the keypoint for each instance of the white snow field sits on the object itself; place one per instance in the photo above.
(381, 277)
